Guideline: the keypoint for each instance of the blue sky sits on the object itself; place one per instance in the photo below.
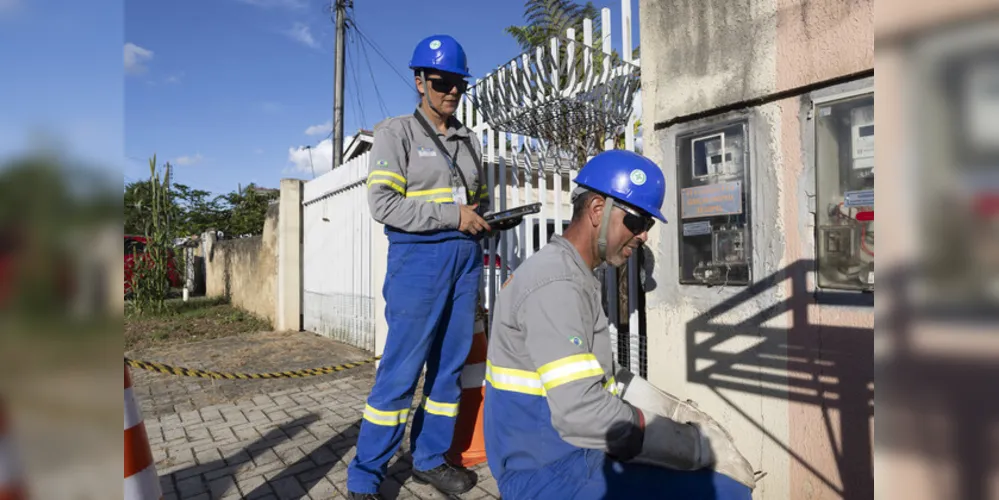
(224, 89)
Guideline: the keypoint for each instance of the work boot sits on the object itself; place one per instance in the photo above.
(364, 496)
(447, 478)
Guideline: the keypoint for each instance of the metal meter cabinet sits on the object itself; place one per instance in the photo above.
(713, 185)
(844, 166)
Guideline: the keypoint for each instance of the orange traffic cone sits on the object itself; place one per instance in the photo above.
(11, 480)
(468, 447)
(141, 480)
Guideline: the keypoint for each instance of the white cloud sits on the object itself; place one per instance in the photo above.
(135, 57)
(302, 34)
(9, 6)
(174, 78)
(322, 158)
(321, 129)
(188, 160)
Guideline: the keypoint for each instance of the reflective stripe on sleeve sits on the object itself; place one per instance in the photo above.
(509, 379)
(611, 386)
(388, 183)
(570, 369)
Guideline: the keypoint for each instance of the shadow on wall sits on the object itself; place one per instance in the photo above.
(828, 366)
(939, 405)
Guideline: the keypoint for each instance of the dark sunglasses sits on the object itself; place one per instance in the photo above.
(444, 85)
(634, 221)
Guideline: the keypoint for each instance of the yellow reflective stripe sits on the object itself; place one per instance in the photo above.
(390, 174)
(443, 409)
(570, 369)
(427, 192)
(388, 183)
(509, 379)
(611, 386)
(442, 200)
(386, 418)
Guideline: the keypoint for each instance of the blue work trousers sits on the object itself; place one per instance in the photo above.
(431, 292)
(590, 475)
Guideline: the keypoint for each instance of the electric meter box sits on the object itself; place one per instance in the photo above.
(844, 167)
(713, 184)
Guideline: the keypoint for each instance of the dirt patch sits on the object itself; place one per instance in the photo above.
(196, 320)
(161, 394)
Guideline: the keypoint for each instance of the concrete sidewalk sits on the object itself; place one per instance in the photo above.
(293, 443)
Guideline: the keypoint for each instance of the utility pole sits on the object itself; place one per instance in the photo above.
(341, 32)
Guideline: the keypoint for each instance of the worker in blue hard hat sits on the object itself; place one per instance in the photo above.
(425, 184)
(556, 425)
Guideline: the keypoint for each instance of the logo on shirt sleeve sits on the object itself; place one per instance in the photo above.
(576, 341)
(382, 163)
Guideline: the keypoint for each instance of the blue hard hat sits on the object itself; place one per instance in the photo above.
(628, 177)
(442, 53)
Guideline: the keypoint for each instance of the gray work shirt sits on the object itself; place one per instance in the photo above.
(549, 320)
(409, 180)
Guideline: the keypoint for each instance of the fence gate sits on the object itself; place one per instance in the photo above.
(337, 291)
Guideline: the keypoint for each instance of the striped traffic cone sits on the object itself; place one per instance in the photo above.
(11, 478)
(468, 447)
(141, 480)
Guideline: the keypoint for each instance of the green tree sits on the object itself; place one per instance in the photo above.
(246, 210)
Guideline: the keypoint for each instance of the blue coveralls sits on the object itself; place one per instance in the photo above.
(431, 292)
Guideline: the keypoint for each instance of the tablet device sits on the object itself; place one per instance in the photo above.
(513, 213)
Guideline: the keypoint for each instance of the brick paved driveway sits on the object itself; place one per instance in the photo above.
(290, 444)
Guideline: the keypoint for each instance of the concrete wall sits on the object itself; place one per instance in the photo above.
(789, 375)
(245, 269)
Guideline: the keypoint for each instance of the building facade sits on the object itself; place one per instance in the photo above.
(761, 114)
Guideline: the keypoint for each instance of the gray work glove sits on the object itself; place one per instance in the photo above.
(716, 447)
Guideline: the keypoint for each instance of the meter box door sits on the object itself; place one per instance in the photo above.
(713, 184)
(844, 167)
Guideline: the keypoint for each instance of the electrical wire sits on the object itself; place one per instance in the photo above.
(374, 46)
(374, 81)
(352, 62)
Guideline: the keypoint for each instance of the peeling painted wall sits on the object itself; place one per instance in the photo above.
(790, 377)
(245, 269)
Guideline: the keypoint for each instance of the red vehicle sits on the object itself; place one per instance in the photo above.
(136, 245)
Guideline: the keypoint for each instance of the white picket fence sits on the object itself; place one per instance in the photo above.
(339, 286)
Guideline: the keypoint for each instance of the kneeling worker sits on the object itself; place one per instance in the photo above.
(553, 422)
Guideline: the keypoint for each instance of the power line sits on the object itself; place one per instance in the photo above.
(378, 51)
(352, 61)
(374, 81)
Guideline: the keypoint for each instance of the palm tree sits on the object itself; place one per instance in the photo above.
(549, 18)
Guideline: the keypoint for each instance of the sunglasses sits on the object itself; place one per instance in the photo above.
(444, 85)
(634, 221)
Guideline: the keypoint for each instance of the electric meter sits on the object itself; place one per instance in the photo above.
(862, 136)
(844, 156)
(712, 175)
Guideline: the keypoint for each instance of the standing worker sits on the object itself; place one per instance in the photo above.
(555, 426)
(425, 185)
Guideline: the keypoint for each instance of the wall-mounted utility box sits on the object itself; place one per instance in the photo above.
(844, 167)
(713, 184)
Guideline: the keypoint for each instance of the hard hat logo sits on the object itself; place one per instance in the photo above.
(441, 53)
(637, 177)
(628, 177)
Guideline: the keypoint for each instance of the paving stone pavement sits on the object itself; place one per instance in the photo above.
(292, 443)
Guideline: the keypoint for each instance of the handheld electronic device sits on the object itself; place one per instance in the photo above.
(512, 214)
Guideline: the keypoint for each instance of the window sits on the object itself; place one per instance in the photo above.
(712, 173)
(844, 166)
